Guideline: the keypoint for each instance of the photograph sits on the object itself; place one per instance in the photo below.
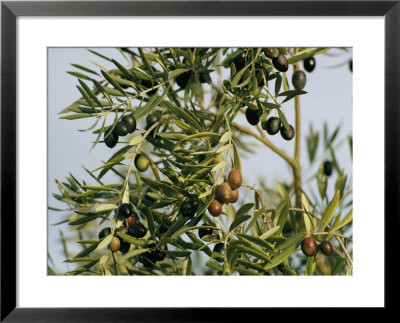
(191, 161)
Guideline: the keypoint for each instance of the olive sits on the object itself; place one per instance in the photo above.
(149, 84)
(137, 230)
(115, 244)
(203, 77)
(125, 210)
(326, 248)
(110, 139)
(299, 79)
(218, 159)
(252, 116)
(131, 219)
(328, 167)
(148, 258)
(268, 52)
(239, 62)
(262, 72)
(235, 179)
(188, 209)
(219, 248)
(287, 134)
(183, 79)
(280, 63)
(234, 196)
(121, 128)
(142, 163)
(125, 246)
(215, 208)
(223, 193)
(164, 226)
(158, 254)
(273, 125)
(351, 65)
(204, 232)
(130, 120)
(309, 64)
(151, 119)
(104, 232)
(309, 246)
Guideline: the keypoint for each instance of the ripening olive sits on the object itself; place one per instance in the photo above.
(252, 116)
(309, 64)
(268, 52)
(287, 134)
(273, 125)
(215, 208)
(142, 163)
(299, 79)
(309, 246)
(104, 232)
(130, 120)
(234, 196)
(280, 63)
(115, 244)
(125, 210)
(235, 179)
(223, 193)
(110, 139)
(326, 248)
(131, 219)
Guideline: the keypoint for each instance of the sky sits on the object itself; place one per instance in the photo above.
(329, 99)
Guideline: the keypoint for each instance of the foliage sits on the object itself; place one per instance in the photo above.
(191, 147)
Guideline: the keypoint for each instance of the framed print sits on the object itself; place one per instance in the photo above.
(193, 156)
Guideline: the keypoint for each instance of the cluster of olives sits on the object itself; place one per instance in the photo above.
(132, 228)
(126, 125)
(227, 192)
(310, 248)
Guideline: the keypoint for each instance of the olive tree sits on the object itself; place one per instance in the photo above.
(179, 203)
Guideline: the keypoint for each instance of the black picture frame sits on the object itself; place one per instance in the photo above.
(10, 10)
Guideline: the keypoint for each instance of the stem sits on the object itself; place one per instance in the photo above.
(265, 141)
(297, 167)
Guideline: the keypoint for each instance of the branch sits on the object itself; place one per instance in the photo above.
(265, 141)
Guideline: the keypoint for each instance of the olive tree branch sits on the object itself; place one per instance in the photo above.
(265, 141)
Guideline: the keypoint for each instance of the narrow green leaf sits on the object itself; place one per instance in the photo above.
(238, 220)
(105, 242)
(330, 211)
(106, 207)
